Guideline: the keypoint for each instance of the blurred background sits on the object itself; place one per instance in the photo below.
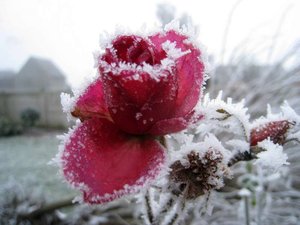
(46, 48)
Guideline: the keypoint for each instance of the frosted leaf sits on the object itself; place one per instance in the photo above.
(273, 158)
(181, 138)
(287, 113)
(227, 116)
(239, 145)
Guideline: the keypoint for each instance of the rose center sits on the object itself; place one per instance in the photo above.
(134, 49)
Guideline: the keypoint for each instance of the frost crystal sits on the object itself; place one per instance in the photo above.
(273, 158)
(224, 116)
(172, 51)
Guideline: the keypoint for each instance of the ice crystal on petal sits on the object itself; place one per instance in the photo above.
(173, 52)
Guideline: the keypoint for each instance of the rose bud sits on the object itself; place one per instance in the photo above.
(275, 130)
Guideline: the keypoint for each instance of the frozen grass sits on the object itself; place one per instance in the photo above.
(24, 159)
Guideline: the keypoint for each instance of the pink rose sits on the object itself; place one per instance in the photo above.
(148, 87)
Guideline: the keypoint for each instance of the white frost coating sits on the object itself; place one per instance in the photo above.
(57, 161)
(68, 103)
(239, 145)
(204, 204)
(210, 142)
(192, 38)
(273, 158)
(229, 116)
(64, 140)
(173, 52)
(178, 210)
(244, 192)
(187, 145)
(156, 72)
(96, 55)
(287, 113)
(182, 138)
(88, 80)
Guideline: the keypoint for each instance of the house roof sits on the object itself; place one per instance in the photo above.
(40, 74)
(39, 66)
(6, 79)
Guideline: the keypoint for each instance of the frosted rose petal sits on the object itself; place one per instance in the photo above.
(91, 103)
(174, 125)
(136, 101)
(189, 71)
(106, 163)
(168, 126)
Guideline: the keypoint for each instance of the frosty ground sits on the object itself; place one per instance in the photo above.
(24, 160)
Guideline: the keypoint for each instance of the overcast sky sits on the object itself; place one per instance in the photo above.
(67, 31)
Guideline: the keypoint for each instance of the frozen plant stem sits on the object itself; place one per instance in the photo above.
(176, 216)
(149, 210)
(242, 156)
(247, 216)
(180, 205)
(167, 206)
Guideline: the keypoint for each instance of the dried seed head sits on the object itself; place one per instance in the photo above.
(201, 175)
